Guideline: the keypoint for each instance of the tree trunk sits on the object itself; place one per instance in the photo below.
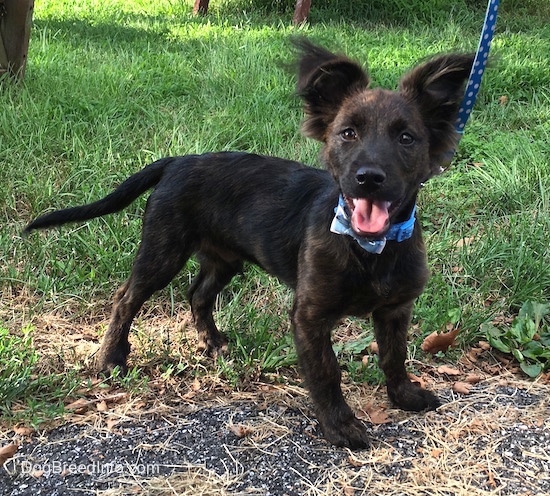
(15, 31)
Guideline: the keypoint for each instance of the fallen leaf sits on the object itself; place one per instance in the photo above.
(491, 478)
(116, 397)
(240, 430)
(484, 345)
(465, 363)
(23, 430)
(436, 452)
(503, 360)
(436, 342)
(417, 380)
(445, 369)
(6, 452)
(473, 354)
(462, 387)
(503, 100)
(473, 379)
(465, 241)
(111, 423)
(79, 406)
(349, 491)
(376, 414)
(193, 389)
(102, 406)
(491, 369)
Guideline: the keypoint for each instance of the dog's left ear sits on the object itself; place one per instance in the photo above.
(325, 80)
(437, 88)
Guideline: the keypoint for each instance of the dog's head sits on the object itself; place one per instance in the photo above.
(380, 145)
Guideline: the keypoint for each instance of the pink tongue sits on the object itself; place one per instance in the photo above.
(370, 217)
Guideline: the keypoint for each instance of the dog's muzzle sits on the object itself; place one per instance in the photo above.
(341, 224)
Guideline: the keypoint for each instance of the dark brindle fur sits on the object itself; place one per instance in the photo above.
(379, 146)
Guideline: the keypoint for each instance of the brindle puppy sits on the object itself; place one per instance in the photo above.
(379, 146)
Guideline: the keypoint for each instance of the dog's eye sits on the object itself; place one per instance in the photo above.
(348, 134)
(406, 139)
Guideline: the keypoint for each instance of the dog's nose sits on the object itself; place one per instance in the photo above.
(370, 175)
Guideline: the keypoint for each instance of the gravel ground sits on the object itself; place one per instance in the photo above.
(162, 446)
(496, 441)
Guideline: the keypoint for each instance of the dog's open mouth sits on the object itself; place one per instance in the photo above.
(369, 218)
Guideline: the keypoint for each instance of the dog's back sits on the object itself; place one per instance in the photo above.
(245, 205)
(240, 204)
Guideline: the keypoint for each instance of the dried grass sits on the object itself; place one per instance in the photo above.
(190, 480)
(458, 450)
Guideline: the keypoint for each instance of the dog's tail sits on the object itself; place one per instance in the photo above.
(120, 198)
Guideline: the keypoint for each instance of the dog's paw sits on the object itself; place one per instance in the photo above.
(212, 345)
(112, 371)
(409, 396)
(111, 366)
(111, 358)
(351, 433)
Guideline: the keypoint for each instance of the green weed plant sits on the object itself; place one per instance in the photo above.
(527, 338)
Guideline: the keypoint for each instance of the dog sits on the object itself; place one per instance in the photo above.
(345, 239)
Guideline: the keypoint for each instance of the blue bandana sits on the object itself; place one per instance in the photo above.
(397, 232)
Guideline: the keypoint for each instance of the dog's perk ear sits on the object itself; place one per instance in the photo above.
(437, 88)
(325, 80)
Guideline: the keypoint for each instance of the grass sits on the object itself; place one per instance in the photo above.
(112, 86)
(26, 393)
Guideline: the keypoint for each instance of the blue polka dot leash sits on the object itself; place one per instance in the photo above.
(480, 62)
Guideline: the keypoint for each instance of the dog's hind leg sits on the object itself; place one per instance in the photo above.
(390, 326)
(215, 273)
(159, 259)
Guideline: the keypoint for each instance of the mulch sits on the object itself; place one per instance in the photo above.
(493, 440)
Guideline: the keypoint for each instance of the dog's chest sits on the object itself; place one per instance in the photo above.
(372, 288)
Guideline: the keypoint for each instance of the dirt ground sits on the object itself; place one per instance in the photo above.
(491, 436)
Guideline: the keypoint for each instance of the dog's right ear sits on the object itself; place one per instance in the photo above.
(325, 80)
(436, 87)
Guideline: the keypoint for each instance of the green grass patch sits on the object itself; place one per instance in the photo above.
(27, 394)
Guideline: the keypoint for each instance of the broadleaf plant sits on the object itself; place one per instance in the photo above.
(527, 339)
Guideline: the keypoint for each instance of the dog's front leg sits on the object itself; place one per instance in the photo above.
(390, 325)
(321, 373)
